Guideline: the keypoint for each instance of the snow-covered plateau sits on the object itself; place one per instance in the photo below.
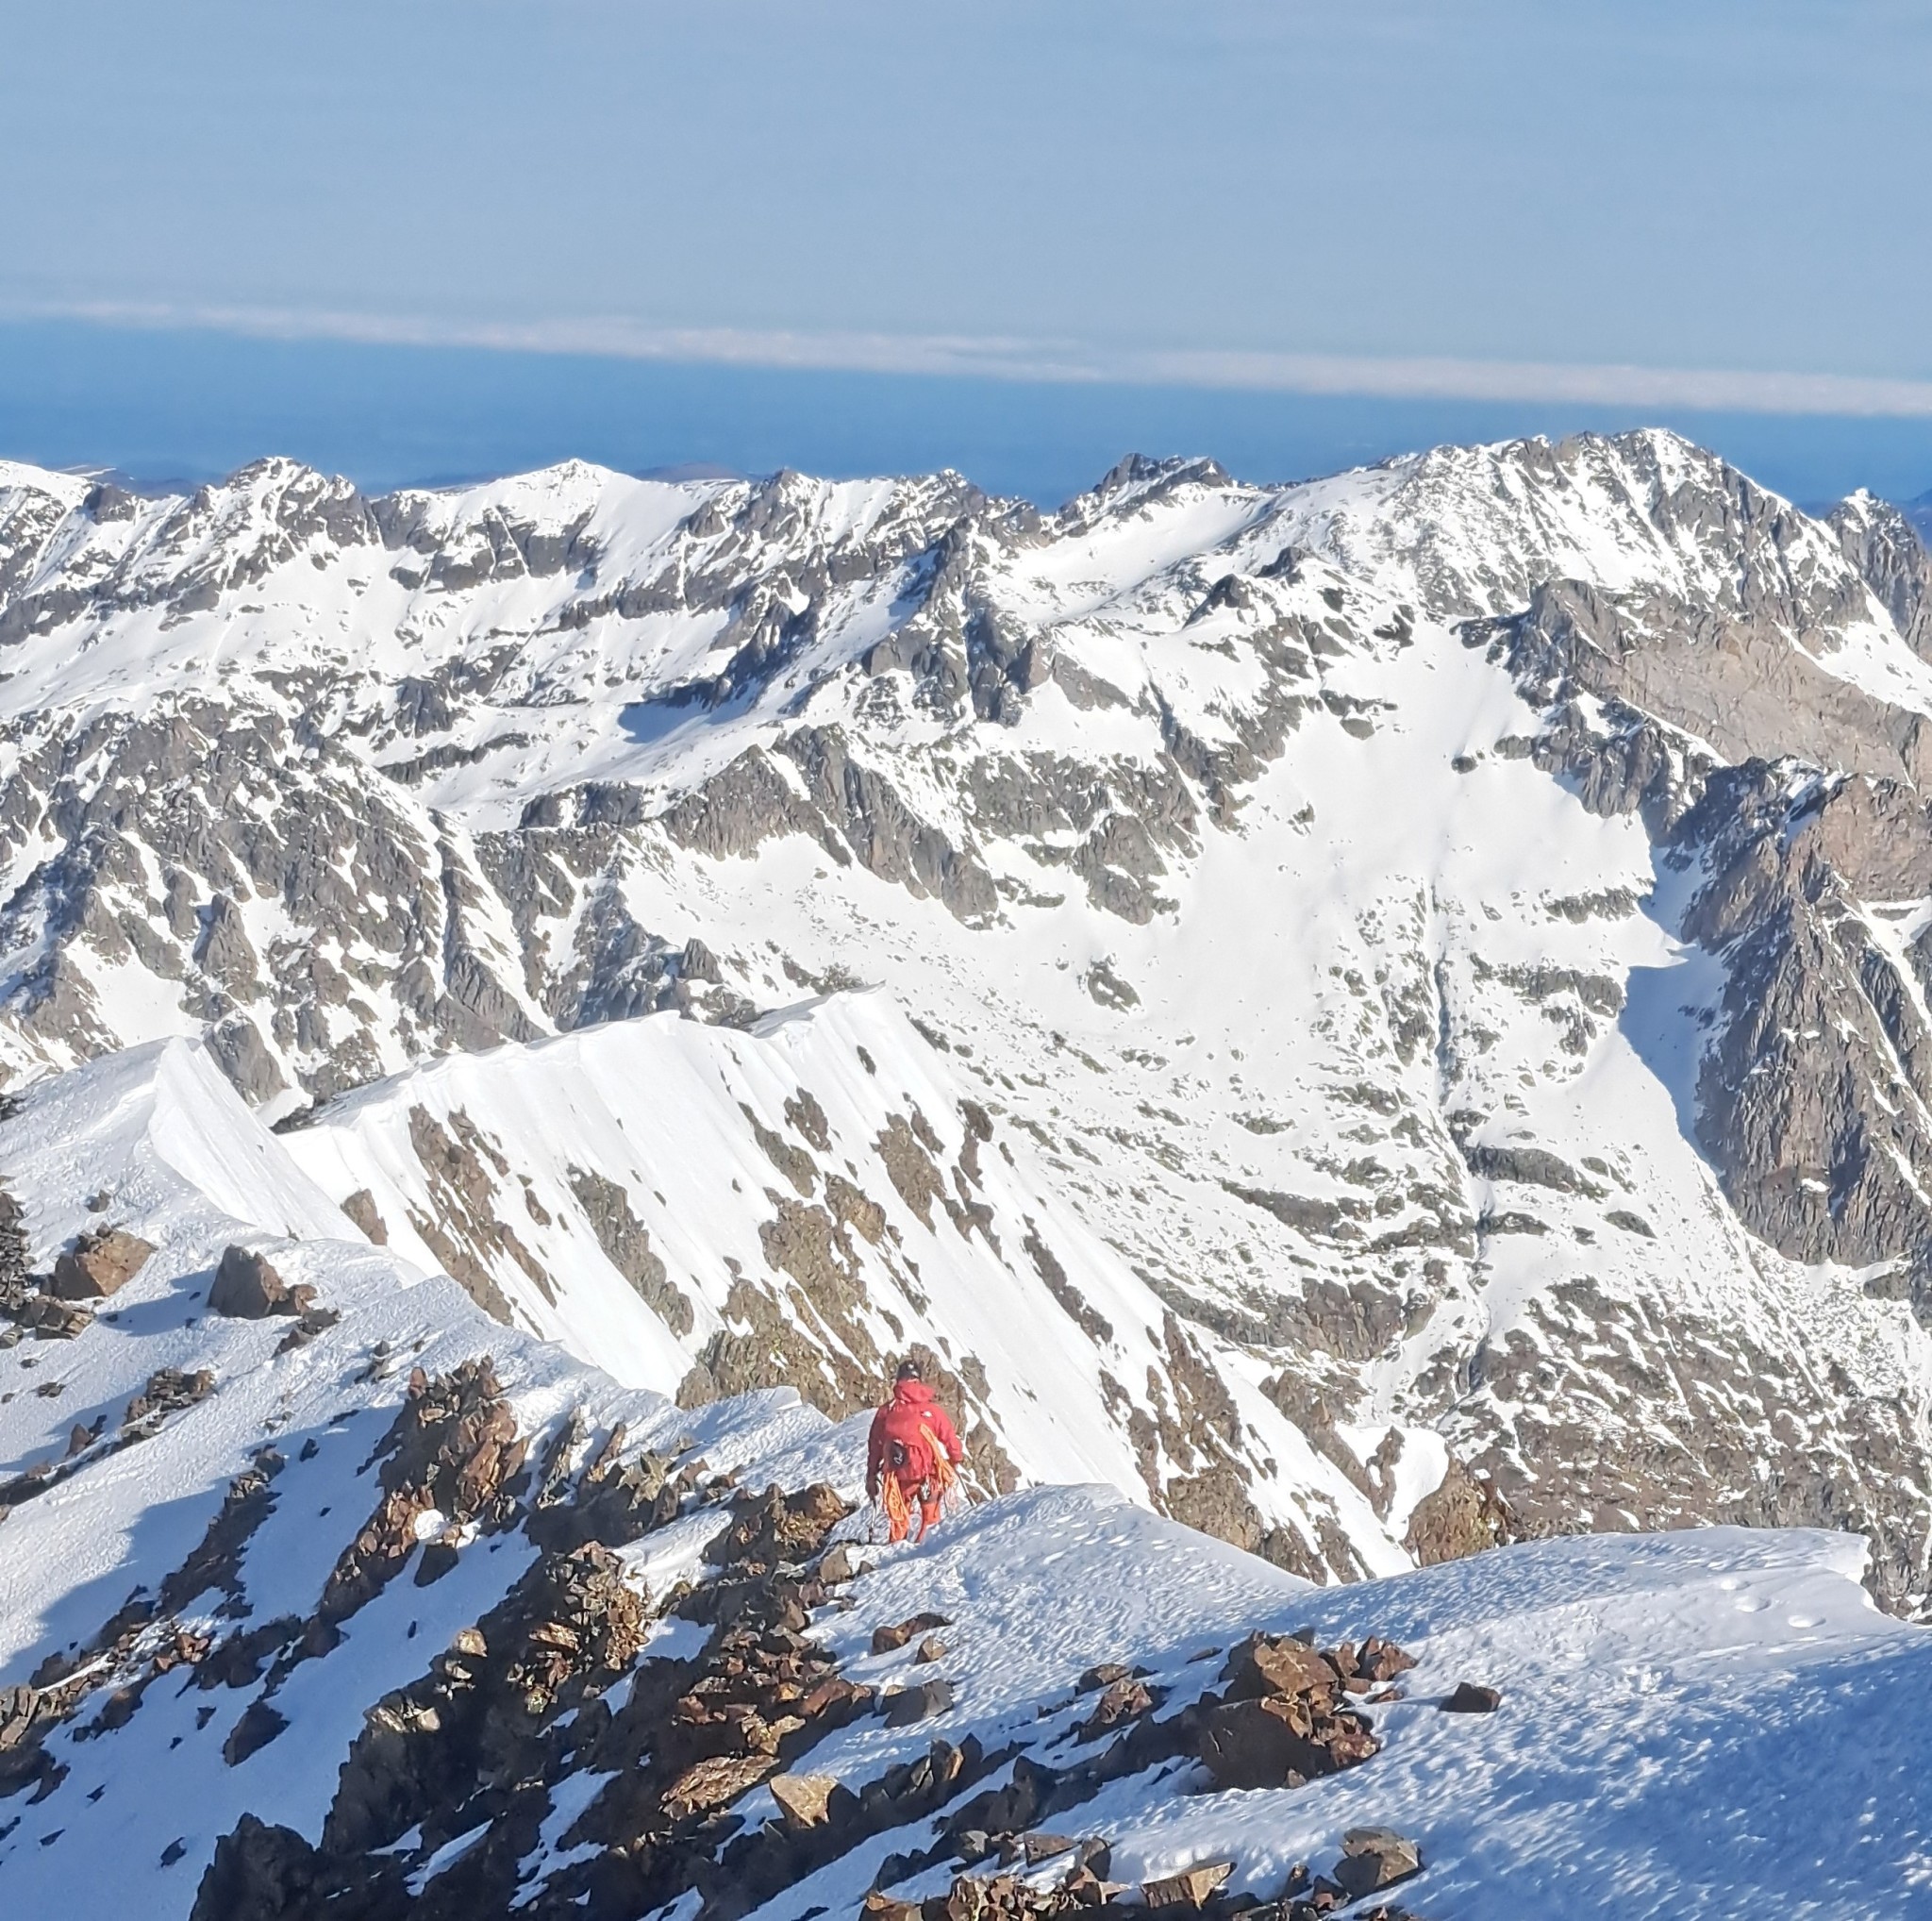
(1371, 1036)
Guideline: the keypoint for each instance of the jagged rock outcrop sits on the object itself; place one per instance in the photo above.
(419, 1616)
(247, 1288)
(1271, 868)
(98, 1264)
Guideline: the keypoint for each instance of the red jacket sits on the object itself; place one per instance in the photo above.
(917, 1423)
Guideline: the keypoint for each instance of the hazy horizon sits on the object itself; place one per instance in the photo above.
(421, 241)
(189, 406)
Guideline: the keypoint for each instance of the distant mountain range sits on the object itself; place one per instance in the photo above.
(1373, 1017)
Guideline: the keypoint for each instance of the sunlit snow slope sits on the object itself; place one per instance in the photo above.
(1426, 970)
(1712, 1722)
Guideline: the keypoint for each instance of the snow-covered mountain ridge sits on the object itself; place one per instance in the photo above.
(1422, 964)
(385, 1609)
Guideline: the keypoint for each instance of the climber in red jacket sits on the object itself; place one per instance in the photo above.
(912, 1455)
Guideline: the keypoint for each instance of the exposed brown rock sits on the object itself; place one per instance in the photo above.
(885, 1640)
(1281, 1742)
(360, 1208)
(259, 1725)
(1120, 1702)
(776, 1527)
(1462, 1517)
(55, 1320)
(1283, 1721)
(917, 1703)
(468, 1229)
(247, 1288)
(452, 1447)
(626, 1245)
(215, 1563)
(17, 1709)
(1187, 1889)
(1373, 1858)
(802, 1798)
(1276, 1664)
(568, 1628)
(1380, 1660)
(260, 1873)
(912, 1171)
(168, 1391)
(13, 1254)
(1037, 1846)
(715, 1781)
(854, 1209)
(98, 1265)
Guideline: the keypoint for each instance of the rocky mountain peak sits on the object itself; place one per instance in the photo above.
(1344, 944)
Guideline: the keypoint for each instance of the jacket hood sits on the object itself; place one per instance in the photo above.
(911, 1393)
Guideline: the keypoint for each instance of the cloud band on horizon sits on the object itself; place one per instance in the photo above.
(1403, 376)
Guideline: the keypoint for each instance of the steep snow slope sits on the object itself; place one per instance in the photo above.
(1452, 935)
(281, 1438)
(226, 1725)
(641, 1217)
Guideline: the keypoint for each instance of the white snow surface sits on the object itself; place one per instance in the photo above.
(1710, 1723)
(187, 1166)
(1399, 926)
(638, 1101)
(1694, 1723)
(1253, 1090)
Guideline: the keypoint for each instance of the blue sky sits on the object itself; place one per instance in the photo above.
(440, 237)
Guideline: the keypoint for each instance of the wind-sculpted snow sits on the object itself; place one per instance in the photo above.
(209, 1707)
(1415, 972)
(1693, 1724)
(846, 1198)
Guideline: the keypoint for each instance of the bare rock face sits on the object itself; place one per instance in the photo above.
(446, 1459)
(260, 1873)
(168, 1391)
(1738, 683)
(1885, 547)
(14, 1284)
(98, 1265)
(1189, 1888)
(803, 1798)
(259, 1725)
(626, 1245)
(1282, 1719)
(247, 1288)
(916, 1703)
(1461, 1516)
(1373, 1858)
(17, 1709)
(777, 1527)
(1819, 1022)
(1279, 1741)
(888, 1640)
(52, 1319)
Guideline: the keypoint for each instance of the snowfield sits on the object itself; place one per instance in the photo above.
(1710, 1722)
(1343, 1024)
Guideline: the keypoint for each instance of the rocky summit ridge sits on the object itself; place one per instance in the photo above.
(326, 1594)
(1410, 983)
(1376, 1019)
